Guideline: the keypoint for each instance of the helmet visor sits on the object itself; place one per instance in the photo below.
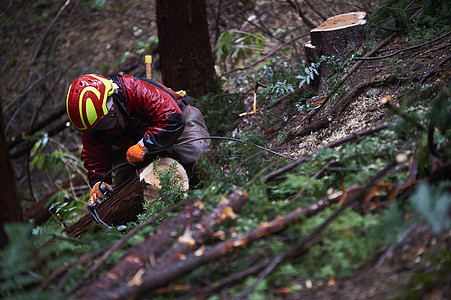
(106, 122)
(109, 120)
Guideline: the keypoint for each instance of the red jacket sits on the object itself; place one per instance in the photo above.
(152, 112)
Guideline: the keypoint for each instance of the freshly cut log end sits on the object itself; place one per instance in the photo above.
(342, 21)
(149, 177)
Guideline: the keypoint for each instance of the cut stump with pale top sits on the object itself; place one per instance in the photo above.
(338, 36)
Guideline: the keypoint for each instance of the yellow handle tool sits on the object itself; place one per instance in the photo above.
(148, 62)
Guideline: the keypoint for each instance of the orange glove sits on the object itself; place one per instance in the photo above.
(136, 153)
(99, 192)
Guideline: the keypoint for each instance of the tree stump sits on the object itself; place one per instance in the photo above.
(338, 36)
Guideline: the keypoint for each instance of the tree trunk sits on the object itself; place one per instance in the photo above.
(338, 36)
(9, 206)
(185, 50)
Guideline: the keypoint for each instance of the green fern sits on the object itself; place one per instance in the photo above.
(19, 259)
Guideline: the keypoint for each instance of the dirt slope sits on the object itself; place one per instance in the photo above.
(382, 277)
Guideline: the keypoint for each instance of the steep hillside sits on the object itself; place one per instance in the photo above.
(342, 194)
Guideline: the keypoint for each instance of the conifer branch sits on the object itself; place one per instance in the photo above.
(304, 244)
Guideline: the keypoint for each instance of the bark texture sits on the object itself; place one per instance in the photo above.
(176, 239)
(117, 210)
(338, 36)
(9, 206)
(185, 50)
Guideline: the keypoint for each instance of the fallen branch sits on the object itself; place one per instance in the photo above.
(158, 276)
(403, 50)
(39, 211)
(295, 5)
(240, 276)
(304, 244)
(350, 137)
(202, 232)
(347, 75)
(26, 146)
(58, 273)
(269, 54)
(329, 113)
(19, 109)
(386, 101)
(116, 246)
(392, 248)
(158, 246)
(49, 118)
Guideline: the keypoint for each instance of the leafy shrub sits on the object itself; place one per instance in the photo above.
(434, 205)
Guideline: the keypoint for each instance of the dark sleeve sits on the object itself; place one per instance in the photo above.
(162, 111)
(97, 158)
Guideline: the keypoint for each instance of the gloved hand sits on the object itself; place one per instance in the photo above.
(136, 153)
(99, 192)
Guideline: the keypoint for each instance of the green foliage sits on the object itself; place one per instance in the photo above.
(34, 253)
(236, 46)
(220, 110)
(52, 157)
(440, 111)
(344, 246)
(93, 5)
(171, 192)
(398, 18)
(17, 259)
(392, 224)
(405, 17)
(18, 262)
(142, 47)
(433, 204)
(340, 68)
(235, 157)
(310, 73)
(346, 242)
(285, 78)
(278, 89)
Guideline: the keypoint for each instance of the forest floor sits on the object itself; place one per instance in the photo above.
(389, 274)
(381, 277)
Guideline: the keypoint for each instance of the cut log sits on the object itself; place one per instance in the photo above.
(125, 205)
(338, 36)
(117, 210)
(151, 182)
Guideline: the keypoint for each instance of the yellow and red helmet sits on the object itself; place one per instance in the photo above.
(88, 102)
